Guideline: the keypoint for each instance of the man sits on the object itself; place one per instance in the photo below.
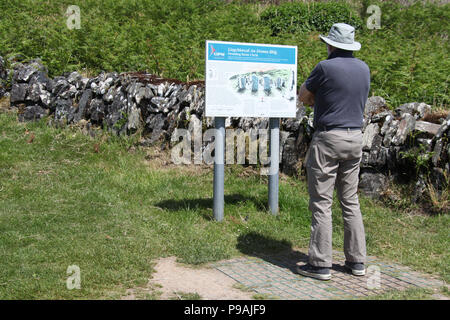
(338, 88)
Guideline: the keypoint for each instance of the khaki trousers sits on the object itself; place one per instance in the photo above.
(333, 160)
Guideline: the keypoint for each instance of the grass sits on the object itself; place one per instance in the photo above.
(186, 296)
(114, 211)
(410, 294)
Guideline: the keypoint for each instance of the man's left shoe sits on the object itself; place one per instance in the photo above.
(356, 268)
(308, 270)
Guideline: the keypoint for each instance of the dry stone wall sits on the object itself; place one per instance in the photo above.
(397, 144)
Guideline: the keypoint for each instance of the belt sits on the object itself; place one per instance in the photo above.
(329, 128)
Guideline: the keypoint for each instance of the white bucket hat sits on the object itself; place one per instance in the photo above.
(342, 36)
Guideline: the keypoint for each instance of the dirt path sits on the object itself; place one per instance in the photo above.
(208, 283)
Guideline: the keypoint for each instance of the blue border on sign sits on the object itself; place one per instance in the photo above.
(218, 51)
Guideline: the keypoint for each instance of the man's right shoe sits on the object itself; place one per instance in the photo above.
(308, 270)
(356, 268)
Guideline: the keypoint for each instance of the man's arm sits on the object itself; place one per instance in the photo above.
(306, 96)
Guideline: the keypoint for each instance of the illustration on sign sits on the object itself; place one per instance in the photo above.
(272, 83)
(250, 80)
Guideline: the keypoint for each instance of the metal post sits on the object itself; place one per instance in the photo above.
(219, 151)
(274, 126)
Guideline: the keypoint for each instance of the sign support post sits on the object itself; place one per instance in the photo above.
(274, 126)
(219, 164)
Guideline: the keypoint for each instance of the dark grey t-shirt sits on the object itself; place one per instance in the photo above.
(341, 87)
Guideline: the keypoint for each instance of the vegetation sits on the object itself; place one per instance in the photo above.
(408, 56)
(112, 208)
(302, 17)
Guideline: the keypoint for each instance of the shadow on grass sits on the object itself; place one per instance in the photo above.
(207, 204)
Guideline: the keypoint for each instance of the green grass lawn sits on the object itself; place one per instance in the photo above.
(113, 212)
(407, 57)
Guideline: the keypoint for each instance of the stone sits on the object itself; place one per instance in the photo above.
(154, 88)
(439, 179)
(389, 132)
(199, 107)
(156, 124)
(103, 86)
(416, 109)
(419, 189)
(292, 125)
(172, 122)
(380, 116)
(302, 142)
(405, 127)
(437, 152)
(34, 92)
(109, 96)
(387, 122)
(32, 113)
(185, 97)
(82, 83)
(378, 154)
(60, 86)
(148, 93)
(374, 105)
(289, 157)
(83, 105)
(284, 135)
(227, 122)
(3, 72)
(366, 122)
(160, 102)
(45, 98)
(365, 159)
(443, 128)
(161, 89)
(63, 110)
(261, 123)
(140, 94)
(93, 86)
(41, 78)
(169, 90)
(24, 72)
(18, 92)
(134, 118)
(195, 123)
(175, 90)
(74, 77)
(244, 123)
(427, 127)
(369, 134)
(69, 94)
(393, 158)
(133, 88)
(116, 110)
(372, 183)
(97, 111)
(311, 120)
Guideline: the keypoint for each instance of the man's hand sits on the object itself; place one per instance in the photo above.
(306, 96)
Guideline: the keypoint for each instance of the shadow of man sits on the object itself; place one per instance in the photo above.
(276, 252)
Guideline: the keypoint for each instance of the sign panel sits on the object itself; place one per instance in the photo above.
(250, 80)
